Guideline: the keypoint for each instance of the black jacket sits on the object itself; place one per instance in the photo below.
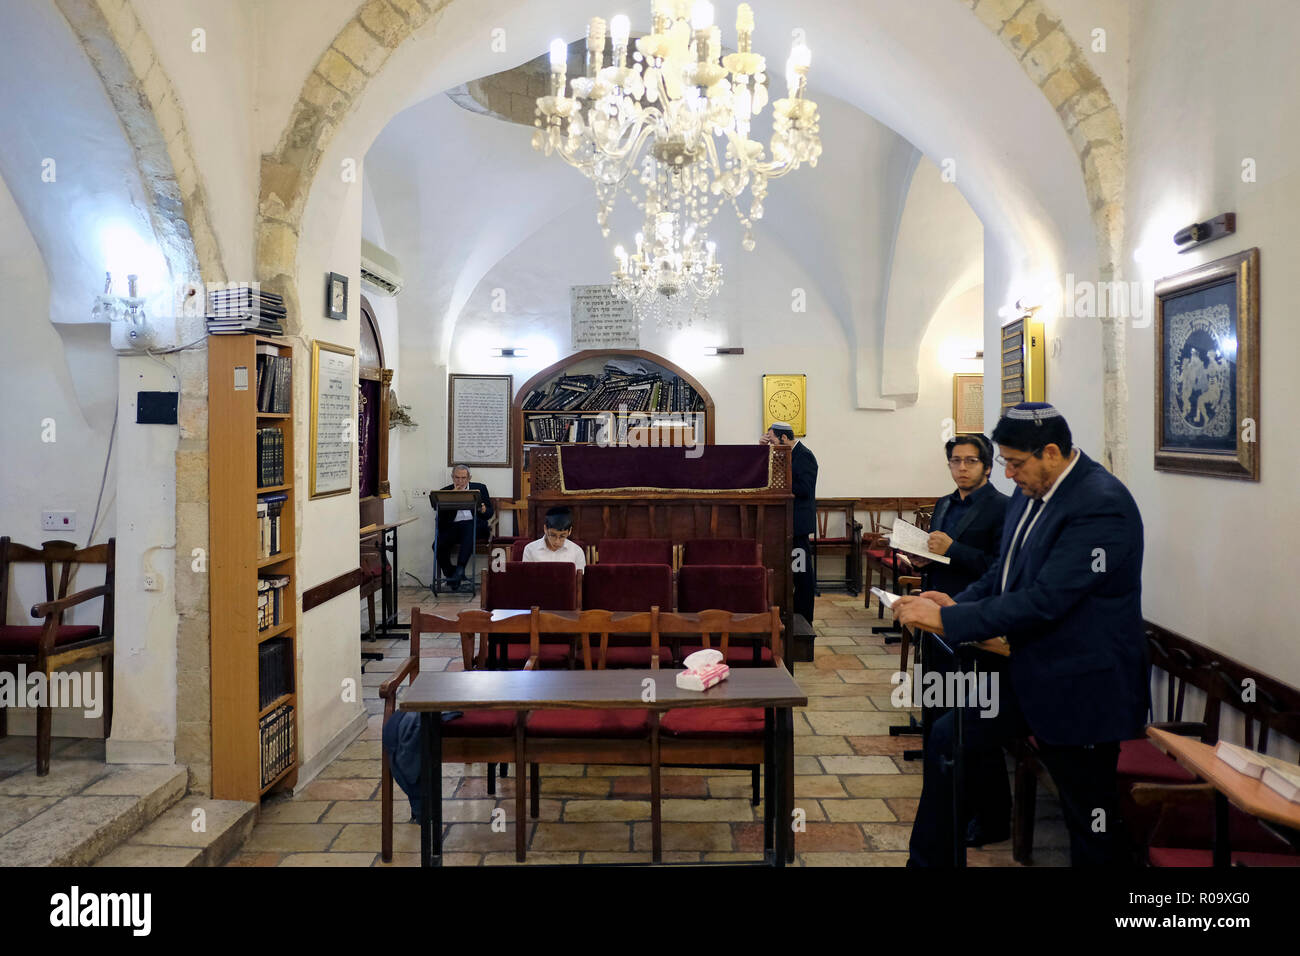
(803, 472)
(976, 541)
(447, 518)
(1071, 610)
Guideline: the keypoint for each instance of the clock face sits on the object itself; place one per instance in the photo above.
(784, 405)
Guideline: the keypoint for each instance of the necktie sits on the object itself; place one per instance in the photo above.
(1021, 533)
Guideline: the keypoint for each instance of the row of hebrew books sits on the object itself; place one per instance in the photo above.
(270, 600)
(276, 730)
(270, 457)
(274, 665)
(274, 380)
(614, 390)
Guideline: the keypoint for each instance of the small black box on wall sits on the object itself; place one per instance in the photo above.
(156, 408)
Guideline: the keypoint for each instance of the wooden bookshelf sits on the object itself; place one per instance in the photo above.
(630, 428)
(233, 566)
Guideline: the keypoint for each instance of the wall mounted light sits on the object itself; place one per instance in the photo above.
(1199, 233)
(722, 350)
(510, 353)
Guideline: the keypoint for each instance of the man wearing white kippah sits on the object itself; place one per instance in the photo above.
(1066, 593)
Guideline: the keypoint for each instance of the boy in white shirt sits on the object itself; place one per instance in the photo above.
(555, 545)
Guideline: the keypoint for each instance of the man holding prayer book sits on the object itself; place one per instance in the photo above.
(967, 529)
(1066, 593)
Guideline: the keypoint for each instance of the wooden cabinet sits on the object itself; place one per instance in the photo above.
(254, 655)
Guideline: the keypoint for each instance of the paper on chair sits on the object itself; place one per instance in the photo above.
(908, 537)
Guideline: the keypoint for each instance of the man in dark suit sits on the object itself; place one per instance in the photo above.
(456, 529)
(967, 529)
(803, 474)
(1067, 595)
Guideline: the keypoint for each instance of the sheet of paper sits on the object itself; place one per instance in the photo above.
(908, 537)
(887, 598)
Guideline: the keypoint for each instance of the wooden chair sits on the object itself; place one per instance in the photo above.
(521, 584)
(52, 645)
(486, 736)
(741, 589)
(629, 588)
(843, 543)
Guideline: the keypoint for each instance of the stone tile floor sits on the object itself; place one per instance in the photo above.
(858, 792)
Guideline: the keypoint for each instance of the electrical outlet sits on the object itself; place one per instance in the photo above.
(152, 582)
(58, 521)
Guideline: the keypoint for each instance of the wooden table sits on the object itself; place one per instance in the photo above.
(385, 536)
(1230, 786)
(771, 688)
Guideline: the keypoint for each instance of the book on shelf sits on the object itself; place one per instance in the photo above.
(274, 380)
(269, 508)
(270, 600)
(276, 730)
(274, 663)
(270, 457)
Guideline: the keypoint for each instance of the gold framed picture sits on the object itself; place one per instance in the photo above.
(333, 420)
(968, 402)
(1207, 369)
(785, 400)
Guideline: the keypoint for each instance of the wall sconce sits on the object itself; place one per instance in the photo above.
(128, 324)
(722, 350)
(510, 353)
(975, 356)
(1199, 233)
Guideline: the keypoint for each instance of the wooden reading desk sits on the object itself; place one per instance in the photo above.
(385, 538)
(1230, 786)
(772, 688)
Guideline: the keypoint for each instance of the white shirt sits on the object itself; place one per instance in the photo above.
(464, 515)
(1006, 563)
(538, 551)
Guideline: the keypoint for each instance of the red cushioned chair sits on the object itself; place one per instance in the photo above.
(737, 588)
(629, 587)
(717, 551)
(52, 644)
(525, 584)
(635, 551)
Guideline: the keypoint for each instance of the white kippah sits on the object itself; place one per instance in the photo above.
(1036, 412)
(781, 425)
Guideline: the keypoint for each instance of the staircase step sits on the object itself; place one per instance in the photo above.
(173, 840)
(82, 809)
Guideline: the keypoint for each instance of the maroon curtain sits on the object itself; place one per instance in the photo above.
(716, 468)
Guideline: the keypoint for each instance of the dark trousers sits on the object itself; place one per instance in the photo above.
(457, 536)
(805, 584)
(1084, 778)
(987, 788)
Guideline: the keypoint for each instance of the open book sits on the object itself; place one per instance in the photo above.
(908, 537)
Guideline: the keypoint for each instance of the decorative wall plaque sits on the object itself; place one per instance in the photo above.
(478, 420)
(601, 320)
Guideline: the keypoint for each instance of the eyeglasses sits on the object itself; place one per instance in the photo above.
(955, 463)
(552, 533)
(1019, 462)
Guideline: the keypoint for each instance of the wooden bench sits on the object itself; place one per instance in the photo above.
(732, 737)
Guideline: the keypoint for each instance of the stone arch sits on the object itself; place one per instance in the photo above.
(1051, 58)
(121, 52)
(364, 45)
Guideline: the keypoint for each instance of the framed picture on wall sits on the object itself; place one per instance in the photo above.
(336, 296)
(785, 400)
(478, 420)
(968, 402)
(1207, 369)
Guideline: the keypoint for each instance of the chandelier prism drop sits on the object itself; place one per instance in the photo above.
(668, 123)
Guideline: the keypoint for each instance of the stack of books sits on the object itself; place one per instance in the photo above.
(277, 732)
(268, 523)
(615, 390)
(245, 309)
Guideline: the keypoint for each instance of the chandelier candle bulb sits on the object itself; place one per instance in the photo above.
(744, 28)
(702, 16)
(595, 46)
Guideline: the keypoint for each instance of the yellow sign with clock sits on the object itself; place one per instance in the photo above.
(785, 400)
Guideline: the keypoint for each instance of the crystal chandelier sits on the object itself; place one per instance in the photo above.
(652, 121)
